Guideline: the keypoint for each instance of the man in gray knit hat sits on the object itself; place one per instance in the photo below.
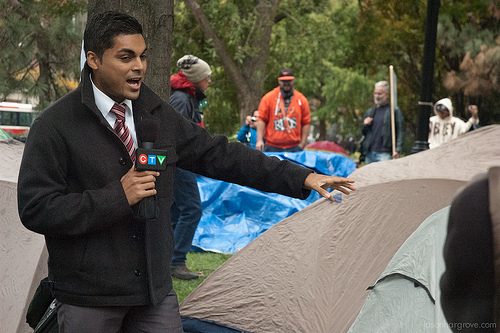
(187, 97)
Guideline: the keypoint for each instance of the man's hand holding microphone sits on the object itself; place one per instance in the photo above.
(139, 182)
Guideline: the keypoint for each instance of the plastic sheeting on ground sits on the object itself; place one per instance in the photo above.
(234, 215)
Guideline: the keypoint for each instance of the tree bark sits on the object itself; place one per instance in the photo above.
(322, 130)
(249, 78)
(44, 79)
(157, 19)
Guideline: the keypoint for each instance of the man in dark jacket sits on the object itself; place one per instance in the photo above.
(376, 127)
(187, 97)
(109, 268)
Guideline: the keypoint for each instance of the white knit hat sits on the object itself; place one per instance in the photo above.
(194, 68)
(446, 102)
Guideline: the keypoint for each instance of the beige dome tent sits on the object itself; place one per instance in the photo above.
(310, 272)
(23, 261)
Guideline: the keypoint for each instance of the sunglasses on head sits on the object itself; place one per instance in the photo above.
(441, 107)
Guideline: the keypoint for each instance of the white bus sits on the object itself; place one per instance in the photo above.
(16, 118)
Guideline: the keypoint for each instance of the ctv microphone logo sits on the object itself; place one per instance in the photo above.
(151, 159)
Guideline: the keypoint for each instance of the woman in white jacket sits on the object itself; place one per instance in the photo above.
(443, 126)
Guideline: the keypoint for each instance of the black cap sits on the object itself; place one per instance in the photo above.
(286, 74)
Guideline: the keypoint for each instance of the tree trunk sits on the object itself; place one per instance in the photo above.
(249, 78)
(44, 79)
(322, 130)
(157, 19)
(248, 102)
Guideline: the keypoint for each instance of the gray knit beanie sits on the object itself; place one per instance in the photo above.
(194, 68)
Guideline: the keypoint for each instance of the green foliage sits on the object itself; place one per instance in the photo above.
(204, 263)
(455, 41)
(40, 47)
(468, 61)
(221, 116)
(348, 88)
(302, 41)
(392, 33)
(346, 96)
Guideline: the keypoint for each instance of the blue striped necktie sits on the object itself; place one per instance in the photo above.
(121, 129)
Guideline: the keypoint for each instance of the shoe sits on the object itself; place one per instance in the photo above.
(182, 272)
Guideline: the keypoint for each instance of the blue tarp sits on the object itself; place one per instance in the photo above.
(234, 215)
(200, 325)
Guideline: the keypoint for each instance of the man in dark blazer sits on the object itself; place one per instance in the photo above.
(376, 127)
(109, 269)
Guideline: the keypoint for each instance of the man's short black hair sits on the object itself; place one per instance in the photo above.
(102, 29)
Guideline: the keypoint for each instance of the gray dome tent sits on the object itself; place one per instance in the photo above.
(22, 256)
(311, 271)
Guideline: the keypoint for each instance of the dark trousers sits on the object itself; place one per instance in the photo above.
(163, 318)
(186, 213)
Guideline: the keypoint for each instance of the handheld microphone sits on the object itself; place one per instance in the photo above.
(148, 158)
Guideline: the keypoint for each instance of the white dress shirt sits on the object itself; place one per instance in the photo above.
(104, 104)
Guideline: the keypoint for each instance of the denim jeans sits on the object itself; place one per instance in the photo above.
(186, 212)
(375, 156)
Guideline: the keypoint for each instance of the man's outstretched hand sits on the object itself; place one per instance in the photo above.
(320, 183)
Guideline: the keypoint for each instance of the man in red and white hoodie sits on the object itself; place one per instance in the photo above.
(443, 126)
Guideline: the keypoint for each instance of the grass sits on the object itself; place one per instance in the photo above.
(203, 263)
